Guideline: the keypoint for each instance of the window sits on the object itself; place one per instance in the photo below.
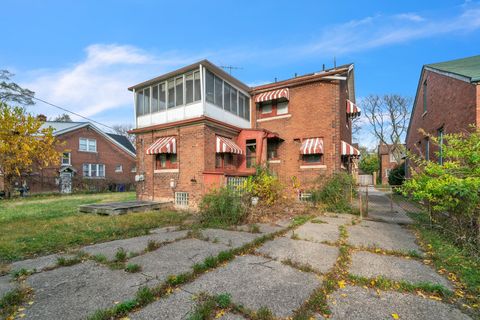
(118, 168)
(162, 96)
(272, 148)
(66, 159)
(181, 199)
(89, 145)
(134, 169)
(440, 145)
(266, 108)
(179, 91)
(155, 102)
(171, 93)
(139, 102)
(312, 158)
(209, 85)
(189, 88)
(387, 172)
(146, 101)
(246, 106)
(427, 149)
(165, 161)
(425, 96)
(251, 153)
(218, 92)
(234, 101)
(196, 86)
(392, 156)
(93, 170)
(282, 108)
(225, 160)
(241, 105)
(226, 94)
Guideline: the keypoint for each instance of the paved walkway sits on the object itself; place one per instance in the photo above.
(280, 274)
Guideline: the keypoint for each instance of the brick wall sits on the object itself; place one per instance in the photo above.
(451, 103)
(107, 153)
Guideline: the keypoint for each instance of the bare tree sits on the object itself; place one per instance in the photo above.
(64, 117)
(10, 92)
(356, 128)
(388, 116)
(122, 129)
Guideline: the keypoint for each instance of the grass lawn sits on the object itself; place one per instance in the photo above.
(38, 226)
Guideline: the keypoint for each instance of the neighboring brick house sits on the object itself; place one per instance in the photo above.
(447, 101)
(198, 128)
(92, 159)
(388, 161)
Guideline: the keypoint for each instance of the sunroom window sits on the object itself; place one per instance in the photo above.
(189, 88)
(179, 91)
(171, 93)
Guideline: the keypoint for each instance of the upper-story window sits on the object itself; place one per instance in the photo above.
(225, 96)
(66, 159)
(89, 145)
(273, 108)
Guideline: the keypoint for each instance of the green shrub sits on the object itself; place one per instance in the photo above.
(335, 192)
(396, 177)
(264, 185)
(222, 207)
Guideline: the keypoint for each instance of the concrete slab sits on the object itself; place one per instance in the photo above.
(382, 235)
(365, 304)
(137, 244)
(38, 264)
(232, 316)
(229, 238)
(339, 219)
(6, 285)
(257, 282)
(76, 292)
(177, 306)
(316, 255)
(176, 258)
(265, 227)
(371, 265)
(116, 208)
(316, 232)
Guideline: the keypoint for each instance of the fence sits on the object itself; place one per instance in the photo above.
(365, 179)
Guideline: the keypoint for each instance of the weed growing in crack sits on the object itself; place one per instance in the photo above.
(152, 245)
(210, 262)
(64, 262)
(317, 221)
(10, 301)
(120, 255)
(144, 296)
(254, 228)
(223, 300)
(132, 268)
(100, 258)
(294, 236)
(21, 273)
(264, 314)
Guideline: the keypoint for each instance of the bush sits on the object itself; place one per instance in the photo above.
(397, 175)
(265, 186)
(222, 207)
(335, 192)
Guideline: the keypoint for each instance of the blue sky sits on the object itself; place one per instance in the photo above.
(84, 54)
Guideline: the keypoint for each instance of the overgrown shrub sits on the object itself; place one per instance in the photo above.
(396, 177)
(222, 207)
(335, 192)
(264, 185)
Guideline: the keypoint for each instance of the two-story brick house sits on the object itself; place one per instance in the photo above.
(91, 158)
(198, 128)
(447, 101)
(388, 160)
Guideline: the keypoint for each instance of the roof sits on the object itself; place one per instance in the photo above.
(210, 66)
(60, 127)
(466, 67)
(123, 141)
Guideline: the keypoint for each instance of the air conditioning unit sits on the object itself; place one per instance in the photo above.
(139, 177)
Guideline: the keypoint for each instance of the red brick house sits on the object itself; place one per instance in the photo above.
(198, 128)
(92, 159)
(447, 101)
(387, 160)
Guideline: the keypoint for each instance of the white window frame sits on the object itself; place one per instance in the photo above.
(69, 159)
(97, 167)
(181, 199)
(119, 168)
(88, 143)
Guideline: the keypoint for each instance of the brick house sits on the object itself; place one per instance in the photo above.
(199, 128)
(387, 161)
(447, 101)
(92, 159)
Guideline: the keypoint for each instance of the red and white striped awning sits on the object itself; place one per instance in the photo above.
(312, 146)
(352, 109)
(163, 145)
(349, 151)
(225, 145)
(271, 95)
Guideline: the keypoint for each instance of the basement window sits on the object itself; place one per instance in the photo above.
(181, 199)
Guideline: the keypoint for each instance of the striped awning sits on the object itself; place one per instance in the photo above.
(271, 95)
(225, 145)
(352, 109)
(349, 151)
(163, 145)
(312, 146)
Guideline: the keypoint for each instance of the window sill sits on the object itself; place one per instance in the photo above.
(274, 161)
(313, 166)
(118, 171)
(87, 151)
(284, 116)
(166, 171)
(94, 178)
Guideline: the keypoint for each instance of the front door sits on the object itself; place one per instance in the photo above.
(66, 182)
